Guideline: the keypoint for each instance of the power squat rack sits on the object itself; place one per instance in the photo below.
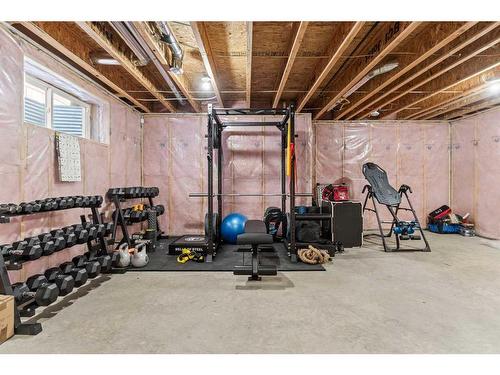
(215, 127)
(8, 211)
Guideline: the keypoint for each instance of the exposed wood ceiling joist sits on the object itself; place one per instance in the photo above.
(297, 40)
(428, 67)
(334, 59)
(475, 108)
(457, 103)
(203, 43)
(448, 87)
(159, 52)
(99, 37)
(82, 63)
(432, 48)
(443, 105)
(402, 35)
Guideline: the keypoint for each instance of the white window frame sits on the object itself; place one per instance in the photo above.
(49, 103)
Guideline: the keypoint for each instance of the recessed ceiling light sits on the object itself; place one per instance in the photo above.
(374, 114)
(205, 79)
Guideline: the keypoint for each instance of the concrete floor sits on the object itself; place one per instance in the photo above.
(367, 301)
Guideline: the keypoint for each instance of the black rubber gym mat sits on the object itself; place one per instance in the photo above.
(226, 259)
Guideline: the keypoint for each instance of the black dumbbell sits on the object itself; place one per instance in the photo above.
(68, 235)
(92, 201)
(26, 208)
(46, 243)
(86, 201)
(99, 199)
(46, 204)
(156, 191)
(93, 267)
(59, 241)
(30, 245)
(70, 202)
(61, 202)
(80, 275)
(43, 292)
(65, 283)
(90, 228)
(129, 192)
(78, 201)
(81, 234)
(100, 229)
(160, 209)
(134, 215)
(10, 208)
(21, 250)
(106, 261)
(108, 229)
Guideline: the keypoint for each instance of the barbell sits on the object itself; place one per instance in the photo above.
(202, 195)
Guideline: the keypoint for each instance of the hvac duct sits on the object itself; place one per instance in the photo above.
(151, 57)
(169, 38)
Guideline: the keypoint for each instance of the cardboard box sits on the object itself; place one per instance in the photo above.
(6, 317)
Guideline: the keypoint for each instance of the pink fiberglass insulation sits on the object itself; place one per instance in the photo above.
(29, 170)
(411, 153)
(488, 174)
(11, 96)
(175, 156)
(463, 180)
(476, 159)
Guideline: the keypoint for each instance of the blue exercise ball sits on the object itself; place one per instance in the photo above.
(232, 225)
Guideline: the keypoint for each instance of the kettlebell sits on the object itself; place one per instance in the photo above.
(124, 259)
(140, 257)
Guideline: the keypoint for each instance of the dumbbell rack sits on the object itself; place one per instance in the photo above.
(119, 195)
(21, 328)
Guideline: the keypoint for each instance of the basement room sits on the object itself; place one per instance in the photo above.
(249, 184)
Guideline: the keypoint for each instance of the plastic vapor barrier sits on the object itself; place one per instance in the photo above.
(175, 160)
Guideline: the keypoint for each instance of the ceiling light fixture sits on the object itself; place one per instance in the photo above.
(493, 84)
(206, 83)
(103, 59)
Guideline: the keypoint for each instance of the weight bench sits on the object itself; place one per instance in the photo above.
(255, 234)
(379, 190)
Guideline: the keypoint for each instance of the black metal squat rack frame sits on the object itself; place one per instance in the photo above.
(119, 195)
(215, 128)
(21, 328)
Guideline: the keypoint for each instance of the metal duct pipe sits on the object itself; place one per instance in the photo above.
(169, 38)
(375, 72)
(155, 61)
(124, 32)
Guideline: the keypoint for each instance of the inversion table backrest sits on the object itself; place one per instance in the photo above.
(383, 192)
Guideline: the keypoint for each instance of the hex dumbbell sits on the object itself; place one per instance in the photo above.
(46, 243)
(30, 245)
(67, 234)
(43, 292)
(48, 292)
(80, 275)
(81, 234)
(21, 250)
(92, 266)
(65, 283)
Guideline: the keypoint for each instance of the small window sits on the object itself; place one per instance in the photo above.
(47, 106)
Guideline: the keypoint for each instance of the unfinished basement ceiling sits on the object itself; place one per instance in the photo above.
(430, 70)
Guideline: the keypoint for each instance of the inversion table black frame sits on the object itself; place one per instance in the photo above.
(215, 128)
(380, 191)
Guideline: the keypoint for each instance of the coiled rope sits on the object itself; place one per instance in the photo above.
(312, 255)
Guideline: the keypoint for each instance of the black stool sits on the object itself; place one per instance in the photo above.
(255, 235)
